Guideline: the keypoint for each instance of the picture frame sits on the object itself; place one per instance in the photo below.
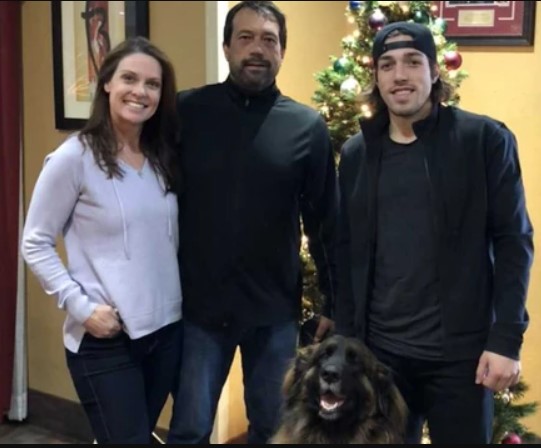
(83, 32)
(489, 23)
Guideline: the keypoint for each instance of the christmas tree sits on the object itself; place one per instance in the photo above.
(509, 410)
(341, 101)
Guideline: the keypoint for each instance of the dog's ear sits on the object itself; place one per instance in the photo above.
(391, 404)
(304, 359)
(298, 367)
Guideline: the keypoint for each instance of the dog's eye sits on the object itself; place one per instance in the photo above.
(326, 352)
(352, 357)
(329, 351)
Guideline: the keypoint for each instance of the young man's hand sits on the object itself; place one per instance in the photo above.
(497, 372)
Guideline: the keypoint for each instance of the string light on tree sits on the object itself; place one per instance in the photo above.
(405, 6)
(366, 61)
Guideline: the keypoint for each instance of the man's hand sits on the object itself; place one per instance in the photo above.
(104, 322)
(497, 372)
(324, 326)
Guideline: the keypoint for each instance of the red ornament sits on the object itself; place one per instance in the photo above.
(452, 59)
(512, 438)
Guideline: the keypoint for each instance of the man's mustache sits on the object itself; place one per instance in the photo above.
(256, 61)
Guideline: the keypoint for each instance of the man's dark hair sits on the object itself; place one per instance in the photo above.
(266, 9)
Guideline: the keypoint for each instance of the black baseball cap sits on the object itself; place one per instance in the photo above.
(422, 39)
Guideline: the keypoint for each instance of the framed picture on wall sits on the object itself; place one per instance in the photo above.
(83, 33)
(486, 23)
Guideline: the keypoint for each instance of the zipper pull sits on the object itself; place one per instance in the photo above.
(246, 102)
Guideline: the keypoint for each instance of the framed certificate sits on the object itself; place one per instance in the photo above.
(497, 23)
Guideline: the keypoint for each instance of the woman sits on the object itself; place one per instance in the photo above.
(110, 191)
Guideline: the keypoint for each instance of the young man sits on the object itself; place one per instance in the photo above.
(435, 243)
(253, 162)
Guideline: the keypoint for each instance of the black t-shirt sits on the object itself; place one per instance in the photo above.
(405, 312)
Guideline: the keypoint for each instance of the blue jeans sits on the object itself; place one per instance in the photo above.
(123, 384)
(207, 357)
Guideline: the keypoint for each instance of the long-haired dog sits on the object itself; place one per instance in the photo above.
(337, 392)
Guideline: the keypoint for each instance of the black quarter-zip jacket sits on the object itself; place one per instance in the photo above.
(484, 235)
(251, 166)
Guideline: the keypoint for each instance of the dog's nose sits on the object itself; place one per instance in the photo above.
(330, 374)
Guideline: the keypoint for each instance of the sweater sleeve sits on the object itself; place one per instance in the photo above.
(53, 200)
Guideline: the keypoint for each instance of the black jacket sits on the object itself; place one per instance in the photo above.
(252, 165)
(484, 234)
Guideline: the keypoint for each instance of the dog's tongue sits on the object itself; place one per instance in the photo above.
(330, 401)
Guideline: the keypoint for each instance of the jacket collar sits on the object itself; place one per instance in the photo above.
(376, 126)
(238, 94)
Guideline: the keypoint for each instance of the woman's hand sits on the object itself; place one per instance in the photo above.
(104, 322)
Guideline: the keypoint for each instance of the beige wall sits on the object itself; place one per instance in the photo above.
(502, 83)
(315, 31)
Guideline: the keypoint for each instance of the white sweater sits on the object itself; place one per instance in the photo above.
(121, 240)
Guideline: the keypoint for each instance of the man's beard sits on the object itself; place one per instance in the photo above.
(253, 82)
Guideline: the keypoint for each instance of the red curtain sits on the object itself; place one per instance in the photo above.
(10, 148)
